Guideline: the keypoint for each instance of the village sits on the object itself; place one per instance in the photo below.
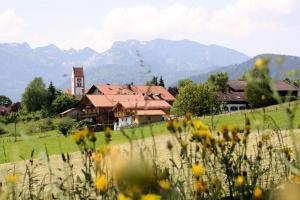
(132, 105)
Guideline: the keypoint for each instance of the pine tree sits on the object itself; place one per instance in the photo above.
(51, 94)
(161, 82)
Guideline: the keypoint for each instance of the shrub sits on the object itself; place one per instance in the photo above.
(45, 125)
(65, 125)
(83, 123)
(2, 131)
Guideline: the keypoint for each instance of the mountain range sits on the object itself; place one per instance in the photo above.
(278, 71)
(125, 62)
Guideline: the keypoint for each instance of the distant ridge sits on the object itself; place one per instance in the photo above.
(237, 70)
(19, 63)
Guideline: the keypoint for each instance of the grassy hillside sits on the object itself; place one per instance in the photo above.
(56, 143)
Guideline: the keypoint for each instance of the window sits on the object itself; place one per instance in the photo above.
(79, 84)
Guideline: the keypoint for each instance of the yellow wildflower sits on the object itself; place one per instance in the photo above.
(96, 157)
(151, 196)
(263, 97)
(239, 181)
(224, 129)
(79, 136)
(215, 182)
(198, 124)
(108, 132)
(165, 184)
(260, 63)
(198, 170)
(101, 183)
(123, 197)
(188, 115)
(257, 193)
(199, 185)
(12, 179)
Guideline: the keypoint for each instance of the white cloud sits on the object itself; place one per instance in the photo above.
(238, 19)
(11, 26)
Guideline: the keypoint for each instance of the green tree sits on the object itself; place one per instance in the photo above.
(219, 81)
(161, 82)
(152, 82)
(199, 99)
(258, 90)
(184, 82)
(63, 103)
(51, 94)
(4, 100)
(35, 96)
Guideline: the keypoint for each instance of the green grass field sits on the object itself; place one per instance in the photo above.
(56, 143)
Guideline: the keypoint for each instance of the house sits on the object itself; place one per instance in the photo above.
(141, 112)
(108, 109)
(234, 98)
(73, 113)
(152, 92)
(232, 101)
(5, 110)
(284, 88)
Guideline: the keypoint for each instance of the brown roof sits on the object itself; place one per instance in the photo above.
(231, 97)
(146, 104)
(285, 86)
(149, 112)
(4, 109)
(128, 101)
(237, 85)
(78, 71)
(280, 85)
(153, 92)
(68, 111)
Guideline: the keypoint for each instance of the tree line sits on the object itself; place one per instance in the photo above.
(52, 101)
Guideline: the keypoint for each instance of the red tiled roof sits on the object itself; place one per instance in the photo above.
(128, 101)
(149, 112)
(154, 92)
(124, 98)
(100, 101)
(280, 85)
(78, 71)
(146, 104)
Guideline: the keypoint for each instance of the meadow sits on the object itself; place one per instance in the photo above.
(56, 143)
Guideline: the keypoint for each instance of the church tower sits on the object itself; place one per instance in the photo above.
(78, 86)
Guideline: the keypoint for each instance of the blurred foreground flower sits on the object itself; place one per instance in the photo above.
(151, 197)
(257, 194)
(101, 183)
(198, 170)
(239, 181)
(165, 184)
(12, 179)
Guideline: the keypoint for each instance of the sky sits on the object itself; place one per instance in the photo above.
(249, 26)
